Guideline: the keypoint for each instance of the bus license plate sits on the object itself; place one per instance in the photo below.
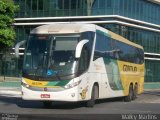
(45, 95)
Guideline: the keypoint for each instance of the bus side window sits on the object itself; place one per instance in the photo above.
(103, 47)
(84, 59)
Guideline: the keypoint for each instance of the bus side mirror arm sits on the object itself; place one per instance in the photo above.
(79, 48)
(17, 47)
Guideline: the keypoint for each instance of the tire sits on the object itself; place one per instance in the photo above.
(94, 96)
(129, 98)
(47, 104)
(135, 91)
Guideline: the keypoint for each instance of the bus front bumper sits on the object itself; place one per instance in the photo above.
(63, 95)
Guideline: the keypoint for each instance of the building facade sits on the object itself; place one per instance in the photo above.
(136, 20)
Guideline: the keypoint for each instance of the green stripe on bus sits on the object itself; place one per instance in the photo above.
(58, 83)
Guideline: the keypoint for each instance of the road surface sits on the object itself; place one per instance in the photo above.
(146, 104)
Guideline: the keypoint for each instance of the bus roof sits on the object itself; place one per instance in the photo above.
(65, 28)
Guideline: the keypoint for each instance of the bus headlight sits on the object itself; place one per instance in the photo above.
(72, 84)
(25, 85)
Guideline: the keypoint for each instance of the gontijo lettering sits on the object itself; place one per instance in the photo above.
(128, 68)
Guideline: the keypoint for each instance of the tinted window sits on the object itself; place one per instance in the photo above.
(130, 53)
(84, 59)
(103, 46)
(111, 48)
(86, 51)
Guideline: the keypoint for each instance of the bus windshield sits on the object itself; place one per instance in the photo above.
(50, 57)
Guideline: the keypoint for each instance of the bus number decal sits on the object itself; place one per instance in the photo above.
(37, 83)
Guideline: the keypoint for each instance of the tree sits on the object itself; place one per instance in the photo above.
(7, 32)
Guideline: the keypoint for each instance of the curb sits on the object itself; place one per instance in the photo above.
(152, 92)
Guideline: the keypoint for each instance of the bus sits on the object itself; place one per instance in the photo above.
(80, 62)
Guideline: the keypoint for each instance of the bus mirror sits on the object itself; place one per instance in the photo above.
(17, 47)
(79, 47)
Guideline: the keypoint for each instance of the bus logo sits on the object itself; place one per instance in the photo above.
(128, 68)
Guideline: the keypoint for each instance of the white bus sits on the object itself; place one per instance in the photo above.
(80, 62)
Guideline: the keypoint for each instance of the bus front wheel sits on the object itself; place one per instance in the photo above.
(94, 96)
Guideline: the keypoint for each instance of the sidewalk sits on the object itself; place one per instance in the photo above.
(152, 92)
(152, 85)
(10, 91)
(11, 84)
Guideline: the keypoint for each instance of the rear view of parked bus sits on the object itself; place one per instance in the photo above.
(80, 62)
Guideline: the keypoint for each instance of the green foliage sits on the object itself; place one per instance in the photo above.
(7, 32)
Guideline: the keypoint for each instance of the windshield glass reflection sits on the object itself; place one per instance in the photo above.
(50, 56)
